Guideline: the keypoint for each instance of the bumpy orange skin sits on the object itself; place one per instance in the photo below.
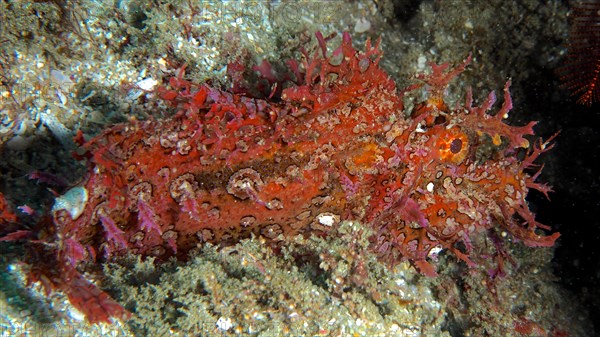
(337, 146)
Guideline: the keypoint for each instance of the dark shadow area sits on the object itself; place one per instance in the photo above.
(18, 298)
(398, 11)
(572, 168)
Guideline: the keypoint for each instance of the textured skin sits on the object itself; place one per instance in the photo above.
(338, 146)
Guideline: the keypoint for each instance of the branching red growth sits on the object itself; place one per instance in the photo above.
(439, 78)
(581, 72)
(97, 305)
(147, 218)
(6, 214)
(114, 235)
(10, 229)
(494, 126)
(54, 267)
(73, 251)
(539, 147)
(17, 235)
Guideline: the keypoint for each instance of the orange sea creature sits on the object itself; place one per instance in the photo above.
(336, 145)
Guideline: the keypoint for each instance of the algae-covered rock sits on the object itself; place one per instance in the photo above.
(312, 286)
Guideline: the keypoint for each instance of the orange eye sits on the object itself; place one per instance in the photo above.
(453, 145)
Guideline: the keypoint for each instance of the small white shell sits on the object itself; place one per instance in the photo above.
(224, 323)
(73, 201)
